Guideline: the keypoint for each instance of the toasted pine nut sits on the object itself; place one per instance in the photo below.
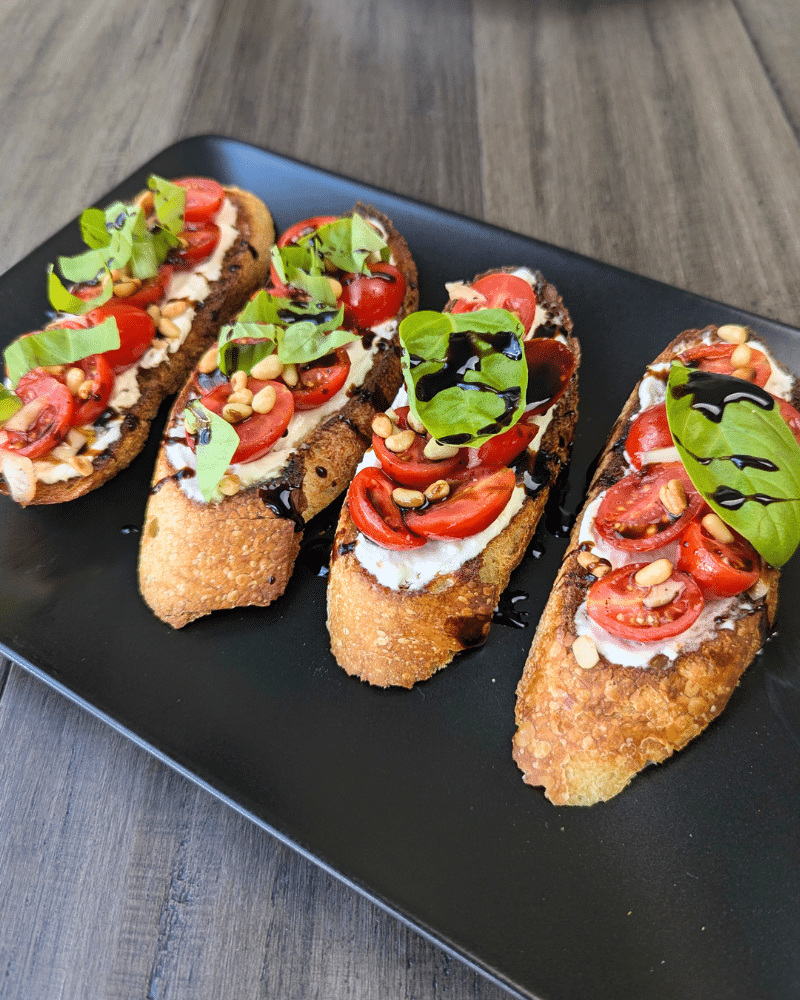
(238, 381)
(119, 274)
(593, 564)
(437, 491)
(74, 379)
(173, 308)
(437, 452)
(85, 389)
(654, 573)
(415, 424)
(382, 425)
(290, 376)
(264, 399)
(741, 356)
(585, 652)
(408, 498)
(209, 361)
(600, 568)
(400, 441)
(586, 558)
(717, 528)
(733, 334)
(662, 594)
(26, 417)
(673, 496)
(267, 369)
(229, 485)
(122, 289)
(235, 413)
(241, 396)
(154, 313)
(82, 464)
(336, 287)
(748, 374)
(170, 330)
(54, 369)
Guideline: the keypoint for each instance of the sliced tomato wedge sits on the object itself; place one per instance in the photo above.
(374, 512)
(198, 241)
(632, 517)
(648, 432)
(477, 497)
(53, 406)
(719, 569)
(503, 448)
(99, 374)
(321, 379)
(259, 432)
(616, 603)
(370, 299)
(204, 197)
(550, 367)
(136, 331)
(503, 291)
(717, 358)
(410, 467)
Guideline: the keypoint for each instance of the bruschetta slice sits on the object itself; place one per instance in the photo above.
(448, 498)
(160, 277)
(293, 387)
(670, 583)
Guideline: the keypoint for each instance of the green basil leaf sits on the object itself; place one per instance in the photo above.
(93, 228)
(241, 357)
(740, 455)
(465, 373)
(59, 346)
(346, 243)
(217, 442)
(9, 403)
(170, 203)
(84, 266)
(305, 341)
(64, 301)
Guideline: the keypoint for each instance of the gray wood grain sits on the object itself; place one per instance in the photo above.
(662, 137)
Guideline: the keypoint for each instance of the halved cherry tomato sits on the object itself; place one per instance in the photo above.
(410, 467)
(503, 291)
(477, 497)
(153, 290)
(136, 331)
(375, 513)
(373, 298)
(52, 422)
(719, 569)
(616, 603)
(203, 198)
(631, 515)
(791, 416)
(321, 379)
(98, 372)
(503, 448)
(648, 432)
(197, 242)
(294, 234)
(550, 367)
(717, 358)
(259, 432)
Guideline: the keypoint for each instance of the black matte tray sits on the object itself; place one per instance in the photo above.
(684, 886)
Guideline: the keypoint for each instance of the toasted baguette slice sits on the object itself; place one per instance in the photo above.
(244, 267)
(199, 557)
(397, 636)
(584, 732)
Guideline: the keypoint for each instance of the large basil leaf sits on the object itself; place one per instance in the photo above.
(66, 302)
(740, 455)
(59, 346)
(465, 373)
(217, 442)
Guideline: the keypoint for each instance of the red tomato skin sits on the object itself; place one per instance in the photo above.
(617, 593)
(648, 432)
(198, 241)
(259, 432)
(96, 368)
(318, 383)
(477, 497)
(374, 298)
(637, 494)
(136, 332)
(503, 291)
(51, 426)
(204, 198)
(550, 367)
(153, 290)
(717, 358)
(791, 416)
(719, 570)
(410, 467)
(503, 448)
(375, 514)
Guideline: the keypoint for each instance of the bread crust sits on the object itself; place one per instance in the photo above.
(583, 734)
(245, 266)
(399, 637)
(196, 558)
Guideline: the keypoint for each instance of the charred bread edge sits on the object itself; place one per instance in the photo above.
(396, 638)
(239, 551)
(244, 268)
(584, 734)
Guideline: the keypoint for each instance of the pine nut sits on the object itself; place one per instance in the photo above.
(209, 361)
(585, 652)
(400, 441)
(229, 485)
(74, 379)
(290, 376)
(336, 288)
(408, 498)
(733, 334)
(662, 594)
(238, 381)
(235, 413)
(741, 356)
(173, 308)
(586, 558)
(119, 274)
(600, 568)
(82, 464)
(415, 424)
(437, 491)
(437, 452)
(25, 418)
(267, 369)
(673, 497)
(593, 564)
(264, 399)
(748, 374)
(122, 289)
(170, 330)
(85, 389)
(241, 396)
(154, 313)
(382, 426)
(654, 573)
(717, 528)
(57, 370)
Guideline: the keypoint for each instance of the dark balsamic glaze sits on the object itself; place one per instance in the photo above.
(506, 614)
(321, 472)
(740, 461)
(208, 381)
(315, 555)
(712, 392)
(390, 279)
(733, 499)
(467, 631)
(281, 500)
(185, 473)
(324, 315)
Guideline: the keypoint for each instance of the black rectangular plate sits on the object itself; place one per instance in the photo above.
(684, 886)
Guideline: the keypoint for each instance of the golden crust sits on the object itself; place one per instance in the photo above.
(584, 733)
(397, 638)
(196, 558)
(245, 267)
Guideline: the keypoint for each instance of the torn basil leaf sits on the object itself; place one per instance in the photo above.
(465, 373)
(9, 403)
(64, 301)
(216, 445)
(740, 455)
(306, 341)
(59, 346)
(170, 203)
(93, 228)
(237, 356)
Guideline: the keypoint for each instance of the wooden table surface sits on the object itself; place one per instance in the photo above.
(659, 136)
